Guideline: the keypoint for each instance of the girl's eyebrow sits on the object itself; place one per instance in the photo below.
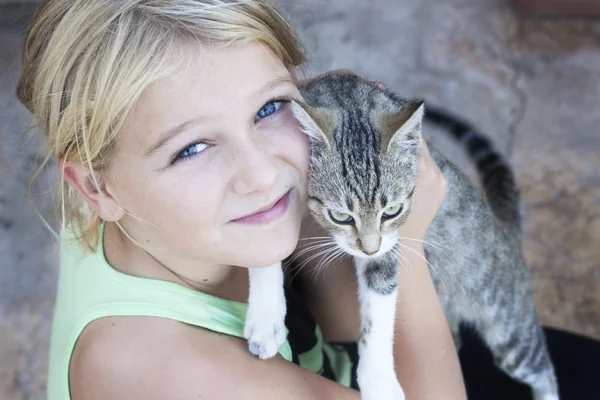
(275, 83)
(173, 132)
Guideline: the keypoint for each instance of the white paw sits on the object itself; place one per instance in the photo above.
(265, 332)
(380, 388)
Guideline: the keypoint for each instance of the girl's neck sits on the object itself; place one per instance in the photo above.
(223, 281)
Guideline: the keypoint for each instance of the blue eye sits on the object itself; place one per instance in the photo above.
(268, 109)
(191, 151)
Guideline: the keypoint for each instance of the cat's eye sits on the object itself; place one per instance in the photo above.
(392, 212)
(340, 217)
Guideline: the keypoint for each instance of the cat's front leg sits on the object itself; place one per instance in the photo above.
(377, 292)
(265, 321)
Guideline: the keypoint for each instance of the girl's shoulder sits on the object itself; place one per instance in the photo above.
(133, 351)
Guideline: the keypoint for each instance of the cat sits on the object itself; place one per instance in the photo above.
(365, 144)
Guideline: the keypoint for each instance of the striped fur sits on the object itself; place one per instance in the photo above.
(365, 162)
(496, 175)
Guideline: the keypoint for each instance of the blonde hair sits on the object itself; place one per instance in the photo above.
(86, 63)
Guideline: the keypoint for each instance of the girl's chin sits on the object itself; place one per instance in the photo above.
(267, 254)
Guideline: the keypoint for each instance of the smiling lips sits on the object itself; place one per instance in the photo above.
(267, 214)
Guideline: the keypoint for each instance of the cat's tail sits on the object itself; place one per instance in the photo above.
(495, 173)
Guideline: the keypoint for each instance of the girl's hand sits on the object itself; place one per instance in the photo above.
(429, 194)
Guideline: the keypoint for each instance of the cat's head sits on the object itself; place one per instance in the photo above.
(364, 163)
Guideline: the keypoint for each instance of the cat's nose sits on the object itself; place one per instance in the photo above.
(369, 244)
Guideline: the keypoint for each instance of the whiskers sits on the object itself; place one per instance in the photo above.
(317, 243)
(325, 249)
(319, 252)
(440, 247)
(401, 257)
(447, 252)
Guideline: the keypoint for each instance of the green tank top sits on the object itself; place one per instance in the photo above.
(89, 289)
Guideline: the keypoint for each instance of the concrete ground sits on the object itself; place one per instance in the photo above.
(531, 85)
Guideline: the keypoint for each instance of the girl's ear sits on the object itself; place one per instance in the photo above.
(92, 189)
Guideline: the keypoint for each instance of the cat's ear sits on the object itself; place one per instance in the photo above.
(403, 128)
(317, 123)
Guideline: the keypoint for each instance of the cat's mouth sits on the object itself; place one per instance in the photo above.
(386, 245)
(370, 256)
(364, 254)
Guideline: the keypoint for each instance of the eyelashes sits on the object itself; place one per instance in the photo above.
(187, 152)
(270, 109)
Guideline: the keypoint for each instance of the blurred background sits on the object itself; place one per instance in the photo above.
(522, 71)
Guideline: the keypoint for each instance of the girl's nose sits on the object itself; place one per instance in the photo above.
(256, 170)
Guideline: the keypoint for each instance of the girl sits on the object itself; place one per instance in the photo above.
(181, 167)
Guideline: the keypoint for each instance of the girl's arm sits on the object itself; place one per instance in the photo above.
(426, 360)
(146, 358)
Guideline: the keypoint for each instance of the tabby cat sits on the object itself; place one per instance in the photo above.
(365, 145)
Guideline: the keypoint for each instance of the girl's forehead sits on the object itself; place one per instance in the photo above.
(207, 87)
(207, 75)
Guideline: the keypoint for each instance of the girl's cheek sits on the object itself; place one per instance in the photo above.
(292, 144)
(300, 149)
